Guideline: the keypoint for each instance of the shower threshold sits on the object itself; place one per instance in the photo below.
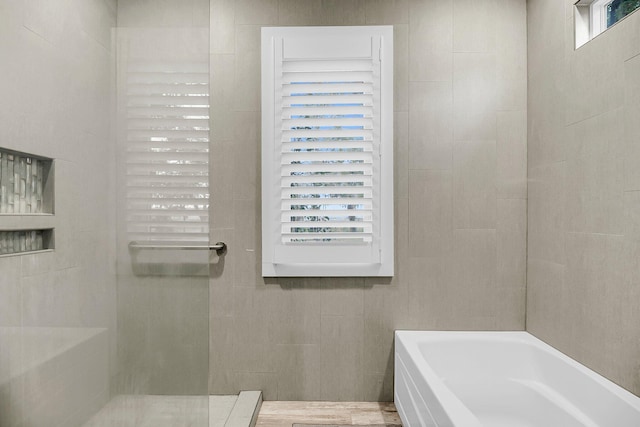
(179, 411)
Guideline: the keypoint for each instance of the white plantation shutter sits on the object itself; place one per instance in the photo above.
(327, 151)
(324, 202)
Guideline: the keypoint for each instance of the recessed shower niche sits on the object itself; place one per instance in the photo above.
(21, 241)
(25, 184)
(26, 202)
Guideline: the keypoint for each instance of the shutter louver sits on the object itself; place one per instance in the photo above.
(327, 151)
(167, 151)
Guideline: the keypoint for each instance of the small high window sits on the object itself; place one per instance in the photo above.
(617, 9)
(592, 17)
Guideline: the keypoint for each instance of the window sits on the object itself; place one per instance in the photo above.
(592, 17)
(617, 9)
(327, 151)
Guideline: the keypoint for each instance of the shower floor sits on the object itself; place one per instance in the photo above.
(164, 411)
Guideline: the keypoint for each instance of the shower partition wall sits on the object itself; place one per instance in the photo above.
(163, 140)
(162, 81)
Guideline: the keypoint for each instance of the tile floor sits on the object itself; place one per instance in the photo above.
(284, 414)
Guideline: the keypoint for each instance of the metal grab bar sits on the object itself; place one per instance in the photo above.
(219, 247)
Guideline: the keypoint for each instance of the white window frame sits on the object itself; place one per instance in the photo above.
(326, 259)
(598, 16)
(590, 19)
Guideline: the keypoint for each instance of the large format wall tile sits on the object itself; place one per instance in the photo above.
(582, 281)
(341, 349)
(430, 212)
(474, 96)
(401, 67)
(631, 124)
(511, 243)
(474, 184)
(430, 40)
(511, 154)
(222, 29)
(546, 212)
(430, 125)
(385, 12)
(473, 26)
(460, 200)
(10, 292)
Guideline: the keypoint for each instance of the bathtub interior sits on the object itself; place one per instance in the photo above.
(512, 378)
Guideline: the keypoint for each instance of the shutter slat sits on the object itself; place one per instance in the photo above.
(325, 77)
(326, 146)
(322, 238)
(320, 122)
(326, 88)
(345, 66)
(289, 170)
(321, 112)
(325, 179)
(319, 156)
(327, 227)
(355, 193)
(287, 204)
(330, 100)
(289, 135)
(287, 215)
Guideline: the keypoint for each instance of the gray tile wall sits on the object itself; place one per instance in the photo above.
(583, 246)
(56, 88)
(460, 188)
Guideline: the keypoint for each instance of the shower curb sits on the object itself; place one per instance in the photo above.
(246, 409)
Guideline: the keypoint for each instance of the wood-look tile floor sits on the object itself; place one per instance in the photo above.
(284, 414)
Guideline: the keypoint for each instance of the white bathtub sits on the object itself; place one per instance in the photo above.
(496, 379)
